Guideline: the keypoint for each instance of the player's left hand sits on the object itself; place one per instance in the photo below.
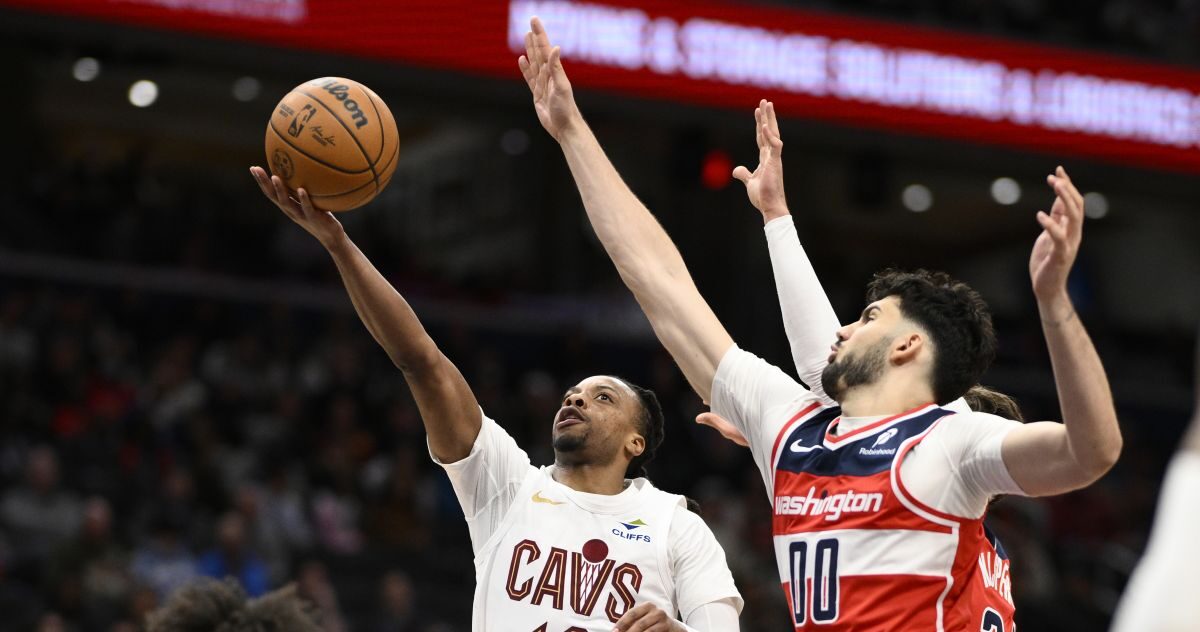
(722, 425)
(647, 617)
(542, 67)
(1055, 249)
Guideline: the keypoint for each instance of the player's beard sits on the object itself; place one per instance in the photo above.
(847, 371)
(570, 444)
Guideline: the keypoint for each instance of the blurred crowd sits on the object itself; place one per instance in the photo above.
(149, 437)
(150, 440)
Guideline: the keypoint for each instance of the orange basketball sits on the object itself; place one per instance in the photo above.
(335, 138)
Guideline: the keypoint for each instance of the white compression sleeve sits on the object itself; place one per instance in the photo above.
(1162, 594)
(808, 318)
(714, 616)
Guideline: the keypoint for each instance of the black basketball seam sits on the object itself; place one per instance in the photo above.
(374, 175)
(312, 157)
(395, 153)
(378, 117)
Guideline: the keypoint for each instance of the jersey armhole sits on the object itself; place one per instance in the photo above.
(906, 497)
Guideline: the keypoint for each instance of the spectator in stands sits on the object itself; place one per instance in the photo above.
(233, 557)
(90, 573)
(163, 562)
(38, 514)
(397, 605)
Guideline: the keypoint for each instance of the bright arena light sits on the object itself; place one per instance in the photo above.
(143, 93)
(917, 198)
(246, 89)
(1095, 205)
(1006, 191)
(86, 68)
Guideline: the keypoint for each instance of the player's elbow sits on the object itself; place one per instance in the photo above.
(1100, 458)
(418, 362)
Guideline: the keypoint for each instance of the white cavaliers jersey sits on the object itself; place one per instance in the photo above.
(565, 561)
(552, 559)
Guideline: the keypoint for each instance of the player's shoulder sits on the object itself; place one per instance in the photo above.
(971, 427)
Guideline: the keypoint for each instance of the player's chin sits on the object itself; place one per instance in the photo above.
(568, 440)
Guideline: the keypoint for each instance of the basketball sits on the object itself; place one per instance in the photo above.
(335, 138)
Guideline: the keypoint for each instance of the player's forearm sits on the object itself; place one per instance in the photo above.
(808, 318)
(382, 309)
(1093, 433)
(716, 616)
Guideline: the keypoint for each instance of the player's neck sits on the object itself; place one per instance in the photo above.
(885, 397)
(607, 479)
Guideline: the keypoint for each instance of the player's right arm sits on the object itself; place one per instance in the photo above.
(448, 407)
(644, 255)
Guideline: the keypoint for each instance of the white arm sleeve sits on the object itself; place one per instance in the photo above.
(698, 568)
(716, 616)
(808, 318)
(1162, 594)
(487, 479)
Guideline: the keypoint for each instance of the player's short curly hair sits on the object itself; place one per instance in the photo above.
(209, 605)
(985, 400)
(954, 315)
(653, 428)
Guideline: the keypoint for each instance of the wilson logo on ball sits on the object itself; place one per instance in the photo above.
(341, 92)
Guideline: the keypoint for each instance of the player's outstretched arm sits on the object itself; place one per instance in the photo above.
(1048, 458)
(808, 318)
(644, 255)
(448, 407)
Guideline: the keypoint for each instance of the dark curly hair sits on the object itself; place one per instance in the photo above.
(653, 428)
(954, 315)
(209, 605)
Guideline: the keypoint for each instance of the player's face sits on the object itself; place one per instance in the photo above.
(597, 417)
(860, 354)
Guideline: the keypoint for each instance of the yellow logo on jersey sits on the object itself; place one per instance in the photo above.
(538, 498)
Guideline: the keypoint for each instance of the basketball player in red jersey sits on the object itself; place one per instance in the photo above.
(878, 502)
(578, 546)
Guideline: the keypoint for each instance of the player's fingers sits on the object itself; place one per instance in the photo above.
(1056, 231)
(742, 173)
(1072, 201)
(631, 617)
(541, 38)
(306, 204)
(773, 139)
(526, 70)
(772, 121)
(260, 178)
(281, 192)
(556, 67)
(758, 137)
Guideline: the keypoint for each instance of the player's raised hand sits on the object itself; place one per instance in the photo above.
(722, 425)
(552, 96)
(765, 184)
(320, 224)
(1055, 249)
(647, 617)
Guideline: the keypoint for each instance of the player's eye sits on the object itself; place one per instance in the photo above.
(604, 396)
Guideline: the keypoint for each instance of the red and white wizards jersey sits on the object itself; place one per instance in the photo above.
(857, 552)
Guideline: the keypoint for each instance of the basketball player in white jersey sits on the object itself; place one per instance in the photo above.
(1161, 596)
(572, 547)
(923, 340)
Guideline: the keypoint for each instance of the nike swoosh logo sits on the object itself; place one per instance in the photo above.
(796, 447)
(538, 498)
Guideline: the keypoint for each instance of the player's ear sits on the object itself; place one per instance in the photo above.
(635, 445)
(907, 347)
